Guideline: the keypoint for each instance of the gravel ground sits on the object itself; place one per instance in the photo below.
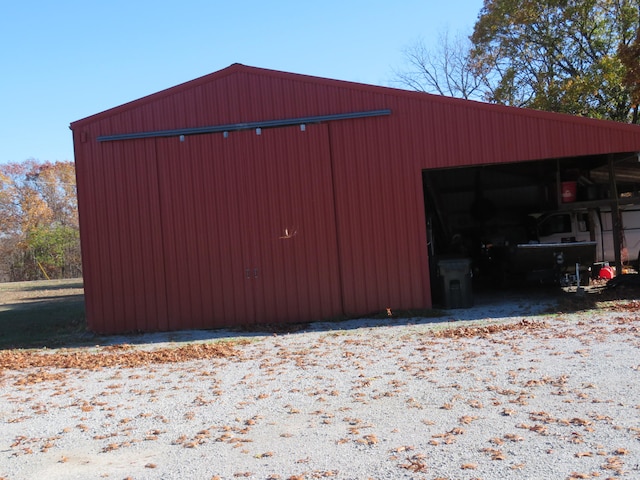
(497, 391)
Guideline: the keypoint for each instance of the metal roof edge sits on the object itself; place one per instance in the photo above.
(431, 97)
(230, 70)
(413, 95)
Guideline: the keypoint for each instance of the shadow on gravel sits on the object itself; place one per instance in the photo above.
(623, 289)
(488, 306)
(60, 321)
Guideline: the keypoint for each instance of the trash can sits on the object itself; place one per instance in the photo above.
(456, 278)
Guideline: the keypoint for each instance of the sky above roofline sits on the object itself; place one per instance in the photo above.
(66, 60)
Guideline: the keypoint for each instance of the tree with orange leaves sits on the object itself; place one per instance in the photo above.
(38, 213)
(630, 57)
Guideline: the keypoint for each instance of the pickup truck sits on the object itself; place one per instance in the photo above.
(593, 225)
(560, 240)
(541, 262)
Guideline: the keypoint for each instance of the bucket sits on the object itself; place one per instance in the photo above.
(606, 273)
(568, 191)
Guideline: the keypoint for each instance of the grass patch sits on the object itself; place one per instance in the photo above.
(41, 314)
(42, 325)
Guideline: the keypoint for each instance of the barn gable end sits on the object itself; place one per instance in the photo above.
(256, 196)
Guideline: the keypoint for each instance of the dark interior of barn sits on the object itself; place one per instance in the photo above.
(476, 213)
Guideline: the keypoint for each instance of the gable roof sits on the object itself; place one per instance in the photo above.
(238, 68)
(448, 131)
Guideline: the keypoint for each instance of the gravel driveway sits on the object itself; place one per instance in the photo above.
(498, 391)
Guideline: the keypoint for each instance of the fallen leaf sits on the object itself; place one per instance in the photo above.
(584, 454)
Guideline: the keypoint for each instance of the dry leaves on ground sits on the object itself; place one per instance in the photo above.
(115, 356)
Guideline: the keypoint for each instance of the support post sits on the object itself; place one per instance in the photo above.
(615, 215)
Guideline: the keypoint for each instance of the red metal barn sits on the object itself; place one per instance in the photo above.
(257, 196)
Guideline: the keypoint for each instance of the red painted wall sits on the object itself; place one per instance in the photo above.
(288, 225)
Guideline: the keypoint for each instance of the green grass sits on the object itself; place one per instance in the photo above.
(44, 319)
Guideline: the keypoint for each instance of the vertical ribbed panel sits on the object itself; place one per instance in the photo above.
(379, 214)
(248, 227)
(292, 228)
(203, 221)
(123, 261)
(192, 234)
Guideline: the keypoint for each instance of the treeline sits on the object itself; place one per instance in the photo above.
(580, 57)
(39, 236)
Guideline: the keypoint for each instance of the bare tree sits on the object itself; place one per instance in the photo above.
(445, 70)
(578, 57)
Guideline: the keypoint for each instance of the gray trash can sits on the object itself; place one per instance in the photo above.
(456, 278)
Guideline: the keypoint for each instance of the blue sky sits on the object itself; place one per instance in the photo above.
(65, 60)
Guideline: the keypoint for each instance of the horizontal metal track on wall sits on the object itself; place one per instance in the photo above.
(244, 126)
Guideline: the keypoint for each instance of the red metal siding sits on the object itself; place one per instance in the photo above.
(122, 242)
(188, 234)
(209, 231)
(249, 228)
(380, 217)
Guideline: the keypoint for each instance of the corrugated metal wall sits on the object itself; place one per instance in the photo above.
(289, 225)
(248, 227)
(121, 230)
(210, 231)
(380, 219)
